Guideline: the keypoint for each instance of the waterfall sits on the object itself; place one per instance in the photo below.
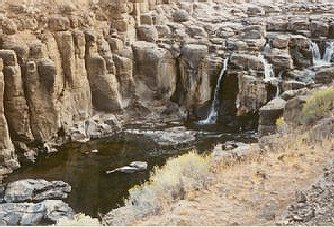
(277, 91)
(316, 55)
(329, 52)
(280, 78)
(268, 68)
(269, 74)
(213, 114)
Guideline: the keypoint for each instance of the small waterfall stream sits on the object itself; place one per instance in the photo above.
(213, 114)
(269, 74)
(327, 56)
(268, 69)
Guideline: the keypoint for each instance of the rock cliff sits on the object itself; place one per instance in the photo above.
(72, 71)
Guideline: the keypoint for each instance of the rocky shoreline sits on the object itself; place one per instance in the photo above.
(34, 202)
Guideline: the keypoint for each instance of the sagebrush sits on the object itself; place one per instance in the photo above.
(79, 220)
(318, 105)
(171, 182)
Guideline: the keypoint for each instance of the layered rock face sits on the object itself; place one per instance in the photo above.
(72, 73)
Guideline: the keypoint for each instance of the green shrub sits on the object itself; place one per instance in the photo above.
(318, 105)
(171, 182)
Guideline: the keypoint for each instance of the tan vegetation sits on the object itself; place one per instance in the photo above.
(174, 181)
(79, 220)
(319, 104)
(256, 189)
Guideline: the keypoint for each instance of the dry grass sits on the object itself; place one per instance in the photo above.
(170, 183)
(257, 187)
(79, 220)
(318, 105)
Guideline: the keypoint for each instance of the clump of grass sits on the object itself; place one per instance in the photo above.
(79, 220)
(169, 183)
(280, 122)
(281, 125)
(318, 105)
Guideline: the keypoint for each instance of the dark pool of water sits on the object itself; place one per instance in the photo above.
(94, 191)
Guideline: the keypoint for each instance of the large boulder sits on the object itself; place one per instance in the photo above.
(268, 116)
(246, 62)
(324, 75)
(154, 71)
(280, 59)
(319, 29)
(31, 190)
(59, 23)
(252, 94)
(45, 212)
(147, 33)
(181, 16)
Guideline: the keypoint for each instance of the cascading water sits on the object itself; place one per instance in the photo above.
(213, 114)
(269, 74)
(316, 55)
(329, 52)
(268, 69)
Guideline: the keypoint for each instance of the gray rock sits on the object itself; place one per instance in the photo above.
(134, 166)
(34, 213)
(181, 16)
(268, 116)
(139, 165)
(35, 190)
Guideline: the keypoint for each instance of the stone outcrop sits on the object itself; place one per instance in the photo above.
(268, 116)
(34, 202)
(8, 157)
(68, 69)
(35, 191)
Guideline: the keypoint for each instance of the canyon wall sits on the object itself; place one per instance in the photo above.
(72, 73)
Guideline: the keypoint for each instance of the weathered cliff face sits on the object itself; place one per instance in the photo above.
(72, 73)
(8, 157)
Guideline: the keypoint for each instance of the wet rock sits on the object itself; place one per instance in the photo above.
(134, 166)
(139, 165)
(35, 190)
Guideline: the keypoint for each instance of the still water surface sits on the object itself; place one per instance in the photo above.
(94, 191)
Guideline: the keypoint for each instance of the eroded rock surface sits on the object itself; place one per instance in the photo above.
(79, 70)
(34, 202)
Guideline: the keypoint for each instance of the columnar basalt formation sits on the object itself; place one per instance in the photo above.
(69, 70)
